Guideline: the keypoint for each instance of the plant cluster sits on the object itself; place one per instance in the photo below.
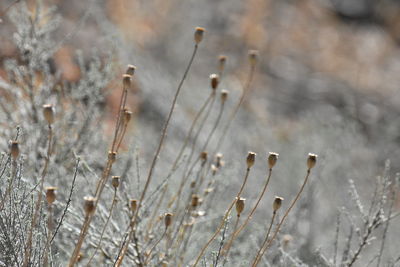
(64, 201)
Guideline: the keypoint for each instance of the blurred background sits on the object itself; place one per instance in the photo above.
(327, 82)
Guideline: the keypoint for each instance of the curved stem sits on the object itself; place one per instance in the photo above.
(155, 158)
(223, 219)
(261, 252)
(104, 227)
(287, 212)
(237, 232)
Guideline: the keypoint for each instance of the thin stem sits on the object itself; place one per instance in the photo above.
(261, 251)
(114, 201)
(245, 91)
(49, 234)
(223, 219)
(236, 233)
(81, 238)
(230, 242)
(155, 158)
(288, 210)
(183, 182)
(39, 201)
(154, 246)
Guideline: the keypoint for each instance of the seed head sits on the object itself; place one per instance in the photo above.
(112, 156)
(198, 34)
(214, 169)
(204, 156)
(251, 158)
(311, 161)
(115, 181)
(277, 203)
(195, 200)
(224, 95)
(130, 70)
(219, 161)
(127, 115)
(272, 159)
(51, 194)
(89, 205)
(240, 205)
(253, 57)
(126, 80)
(214, 78)
(48, 113)
(167, 219)
(133, 204)
(222, 62)
(14, 149)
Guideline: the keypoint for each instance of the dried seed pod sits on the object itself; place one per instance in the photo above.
(286, 241)
(130, 70)
(272, 159)
(222, 61)
(277, 203)
(311, 160)
(195, 200)
(208, 190)
(14, 149)
(240, 205)
(198, 34)
(214, 78)
(214, 169)
(253, 57)
(133, 204)
(203, 156)
(126, 80)
(51, 194)
(219, 161)
(167, 219)
(250, 160)
(89, 205)
(127, 115)
(115, 181)
(224, 95)
(112, 156)
(48, 113)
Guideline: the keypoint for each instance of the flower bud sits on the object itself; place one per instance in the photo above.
(48, 113)
(198, 34)
(115, 181)
(214, 78)
(250, 160)
(253, 57)
(167, 219)
(14, 149)
(222, 61)
(89, 205)
(224, 95)
(51, 194)
(126, 80)
(127, 115)
(219, 161)
(204, 156)
(195, 200)
(240, 205)
(272, 159)
(277, 203)
(214, 169)
(130, 70)
(133, 204)
(112, 156)
(311, 161)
